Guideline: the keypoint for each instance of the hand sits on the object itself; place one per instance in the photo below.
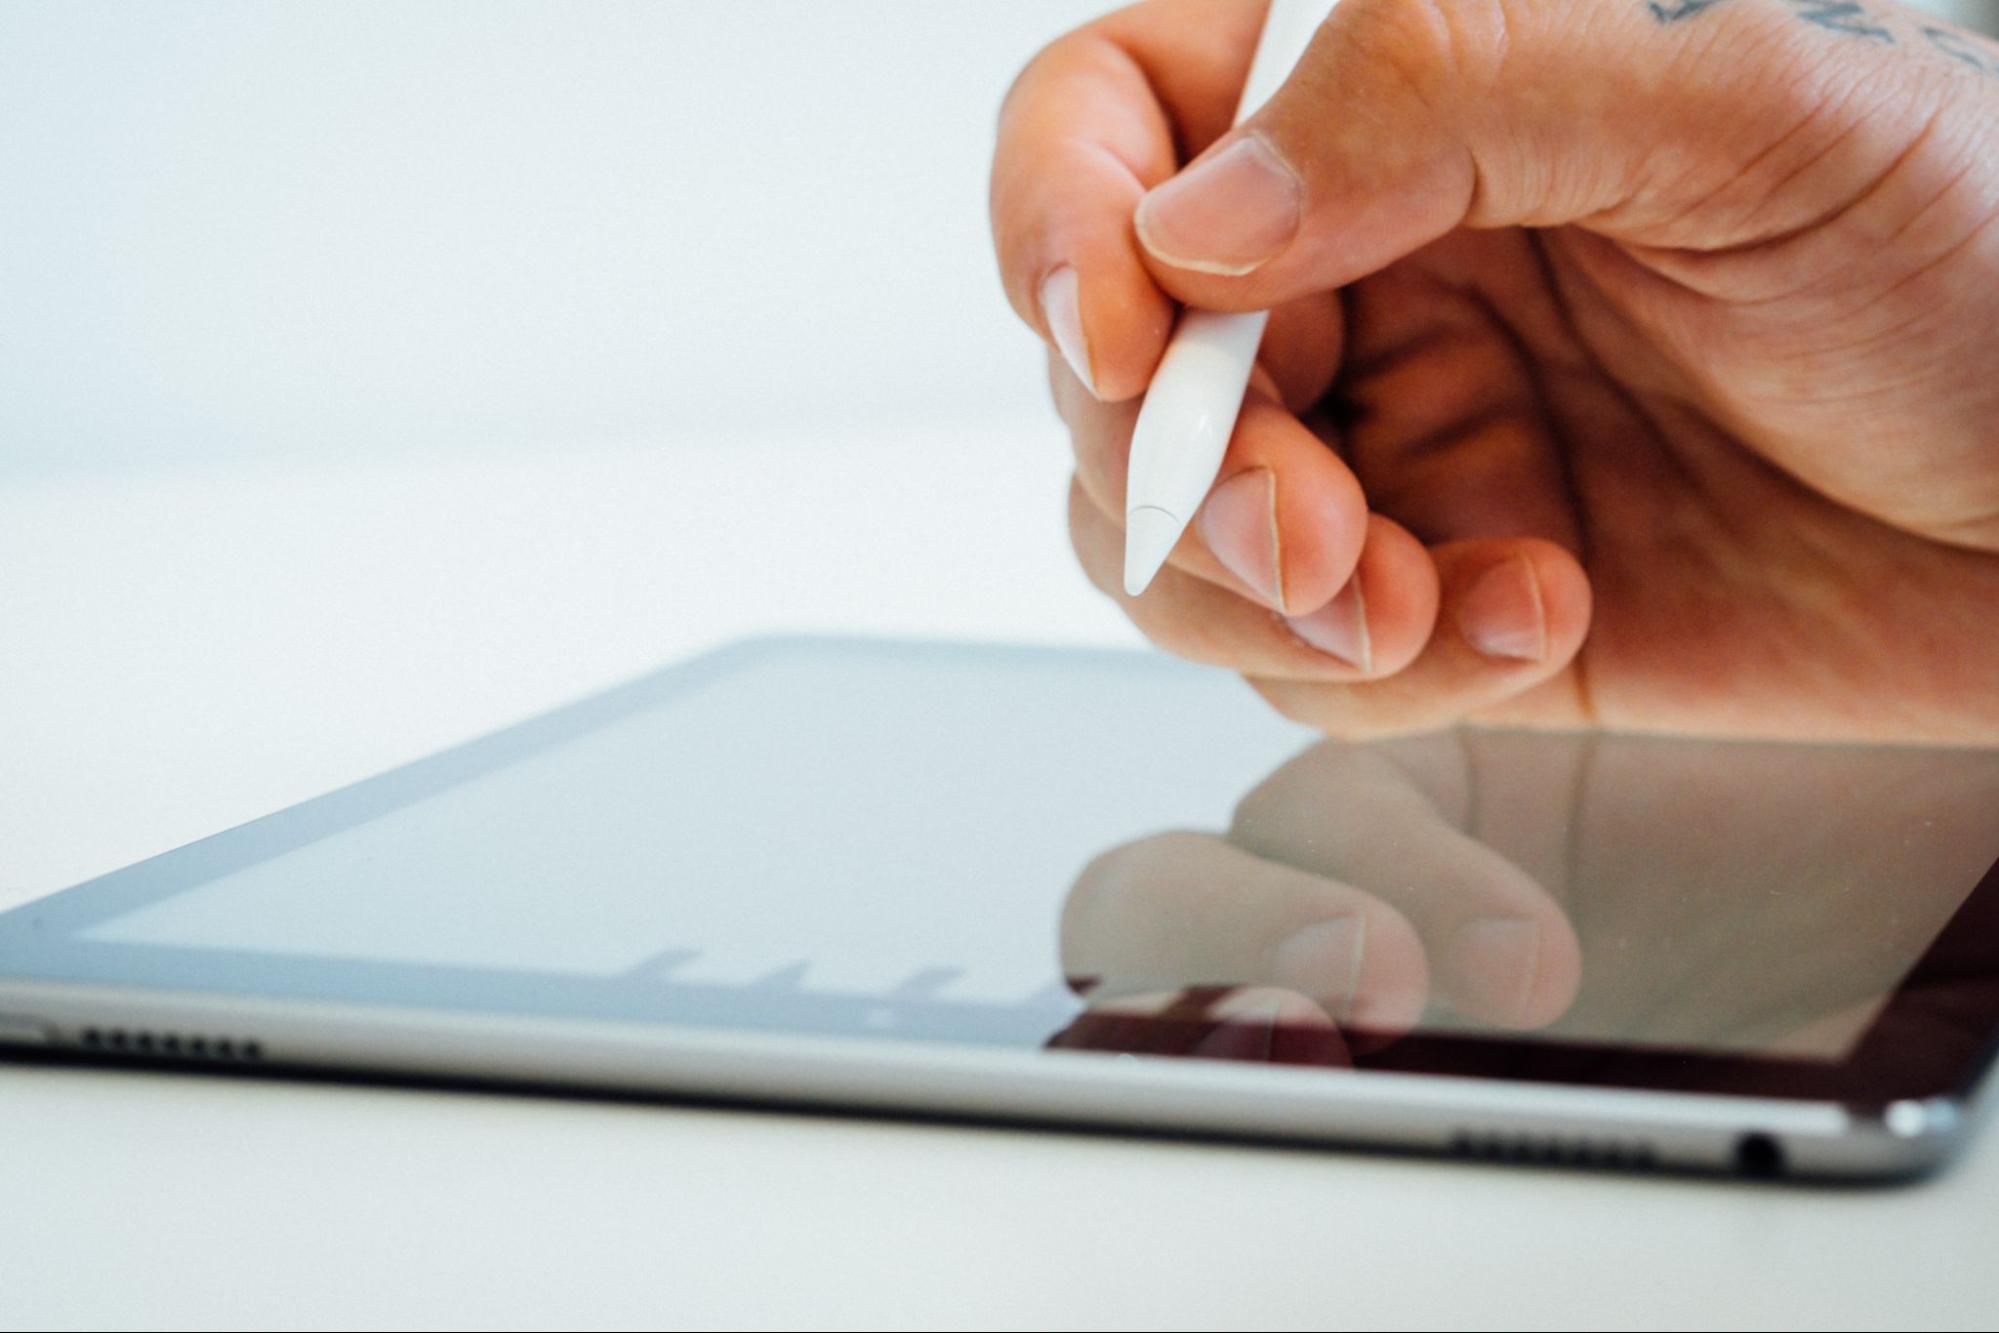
(1632, 362)
(1757, 898)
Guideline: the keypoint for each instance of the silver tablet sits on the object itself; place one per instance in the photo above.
(1092, 889)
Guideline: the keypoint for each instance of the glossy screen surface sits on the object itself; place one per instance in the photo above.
(1079, 850)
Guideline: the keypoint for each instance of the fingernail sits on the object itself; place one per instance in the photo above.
(1323, 960)
(1493, 961)
(1228, 213)
(1339, 628)
(1502, 616)
(1239, 524)
(1062, 307)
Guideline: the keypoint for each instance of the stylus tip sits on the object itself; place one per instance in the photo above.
(1150, 533)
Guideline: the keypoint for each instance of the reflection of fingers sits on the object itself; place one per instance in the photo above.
(1500, 948)
(1513, 615)
(1166, 1022)
(1184, 909)
(1284, 520)
(1825, 1035)
(1264, 1024)
(1375, 626)
(1258, 1024)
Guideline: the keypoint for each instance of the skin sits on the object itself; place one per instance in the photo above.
(1652, 341)
(1460, 880)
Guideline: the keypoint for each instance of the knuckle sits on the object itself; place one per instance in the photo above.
(1182, 630)
(1291, 703)
(1049, 57)
(1323, 773)
(1114, 887)
(1343, 712)
(1435, 49)
(1173, 634)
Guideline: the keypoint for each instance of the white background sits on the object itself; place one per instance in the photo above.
(283, 230)
(232, 230)
(371, 377)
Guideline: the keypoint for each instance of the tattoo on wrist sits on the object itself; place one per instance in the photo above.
(1674, 10)
(1961, 48)
(1845, 16)
(1862, 20)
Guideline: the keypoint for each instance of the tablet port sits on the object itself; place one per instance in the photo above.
(1759, 1156)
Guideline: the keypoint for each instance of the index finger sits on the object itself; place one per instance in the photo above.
(1095, 120)
(1502, 948)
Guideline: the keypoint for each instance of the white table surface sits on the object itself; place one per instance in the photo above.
(187, 649)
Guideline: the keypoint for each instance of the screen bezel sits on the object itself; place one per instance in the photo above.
(1950, 999)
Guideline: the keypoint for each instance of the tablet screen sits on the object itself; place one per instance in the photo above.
(1075, 849)
(859, 823)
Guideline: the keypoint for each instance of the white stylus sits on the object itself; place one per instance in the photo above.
(1196, 394)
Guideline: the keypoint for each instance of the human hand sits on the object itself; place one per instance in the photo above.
(1628, 362)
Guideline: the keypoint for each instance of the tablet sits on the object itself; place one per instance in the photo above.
(1098, 889)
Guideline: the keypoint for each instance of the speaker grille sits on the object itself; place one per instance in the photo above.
(206, 1047)
(1552, 1150)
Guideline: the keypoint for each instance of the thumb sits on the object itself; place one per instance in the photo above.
(1699, 123)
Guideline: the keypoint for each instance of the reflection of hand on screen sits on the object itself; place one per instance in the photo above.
(1732, 897)
(1764, 897)
(1341, 898)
